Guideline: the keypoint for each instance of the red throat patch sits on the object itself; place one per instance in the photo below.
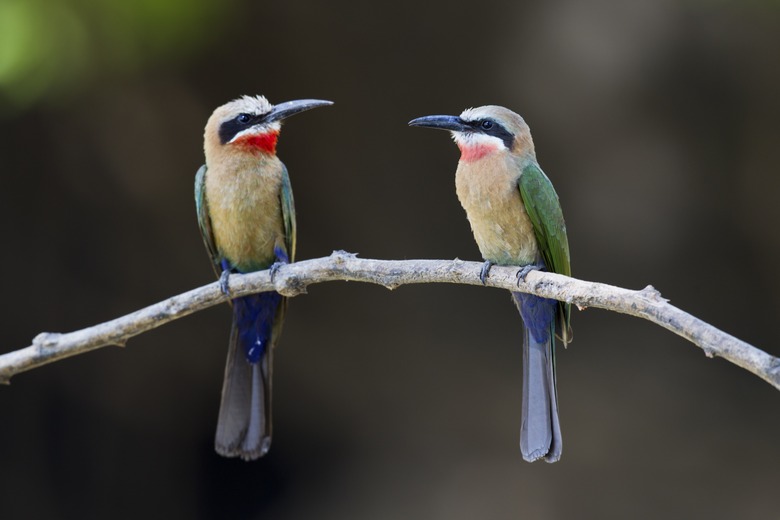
(475, 152)
(260, 142)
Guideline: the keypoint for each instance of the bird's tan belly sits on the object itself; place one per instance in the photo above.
(501, 227)
(246, 220)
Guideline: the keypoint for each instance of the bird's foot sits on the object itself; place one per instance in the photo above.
(485, 271)
(523, 272)
(224, 282)
(282, 258)
(275, 267)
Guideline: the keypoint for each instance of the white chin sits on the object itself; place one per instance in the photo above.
(469, 139)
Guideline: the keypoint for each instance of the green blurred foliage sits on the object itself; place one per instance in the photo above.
(50, 47)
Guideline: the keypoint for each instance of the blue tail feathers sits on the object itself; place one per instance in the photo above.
(540, 429)
(538, 314)
(254, 317)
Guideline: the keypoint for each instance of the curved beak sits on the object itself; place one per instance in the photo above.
(284, 110)
(452, 123)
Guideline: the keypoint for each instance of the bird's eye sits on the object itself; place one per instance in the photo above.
(486, 124)
(243, 118)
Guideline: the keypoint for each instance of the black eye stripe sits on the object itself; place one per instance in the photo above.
(231, 127)
(493, 128)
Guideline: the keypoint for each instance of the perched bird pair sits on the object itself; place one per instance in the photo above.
(247, 218)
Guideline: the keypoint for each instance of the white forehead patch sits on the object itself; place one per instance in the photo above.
(470, 114)
(249, 105)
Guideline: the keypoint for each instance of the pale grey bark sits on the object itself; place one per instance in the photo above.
(293, 279)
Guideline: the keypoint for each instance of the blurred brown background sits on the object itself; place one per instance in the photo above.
(657, 122)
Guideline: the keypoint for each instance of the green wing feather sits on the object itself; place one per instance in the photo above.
(288, 219)
(204, 221)
(288, 214)
(544, 209)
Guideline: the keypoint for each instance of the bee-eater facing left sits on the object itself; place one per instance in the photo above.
(247, 218)
(516, 219)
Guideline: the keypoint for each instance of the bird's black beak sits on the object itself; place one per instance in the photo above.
(453, 123)
(284, 110)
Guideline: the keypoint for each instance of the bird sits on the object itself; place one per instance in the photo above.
(246, 216)
(516, 220)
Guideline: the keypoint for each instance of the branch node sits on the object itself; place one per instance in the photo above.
(457, 262)
(651, 293)
(709, 352)
(340, 256)
(289, 285)
(46, 339)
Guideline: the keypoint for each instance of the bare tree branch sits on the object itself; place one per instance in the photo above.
(293, 279)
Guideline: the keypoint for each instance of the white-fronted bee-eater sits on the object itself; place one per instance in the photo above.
(247, 218)
(516, 219)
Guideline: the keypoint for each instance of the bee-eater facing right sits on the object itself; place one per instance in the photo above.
(246, 215)
(516, 219)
